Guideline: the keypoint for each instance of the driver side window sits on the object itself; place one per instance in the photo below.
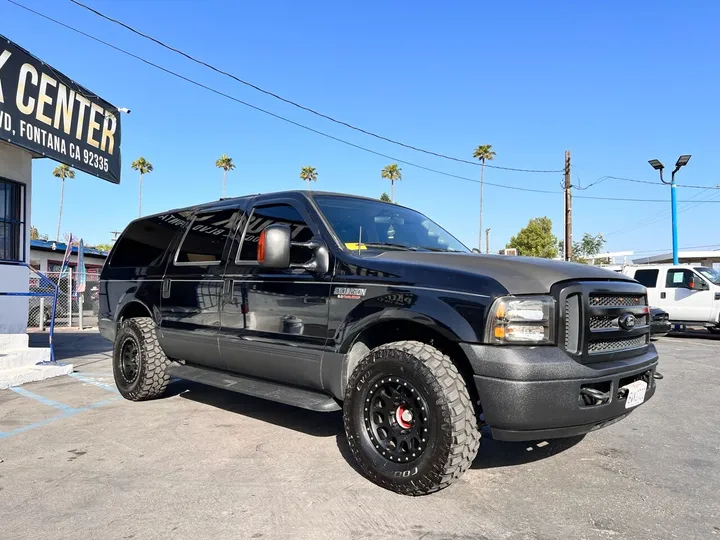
(283, 214)
(683, 279)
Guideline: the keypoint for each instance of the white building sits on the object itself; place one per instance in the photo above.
(43, 113)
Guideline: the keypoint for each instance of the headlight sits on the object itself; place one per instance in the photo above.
(521, 320)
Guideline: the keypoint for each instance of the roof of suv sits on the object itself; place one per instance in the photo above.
(229, 200)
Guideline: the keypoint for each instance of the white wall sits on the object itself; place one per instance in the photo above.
(41, 258)
(15, 164)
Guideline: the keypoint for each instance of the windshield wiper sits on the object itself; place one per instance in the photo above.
(441, 250)
(389, 245)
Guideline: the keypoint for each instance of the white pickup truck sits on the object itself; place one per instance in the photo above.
(689, 294)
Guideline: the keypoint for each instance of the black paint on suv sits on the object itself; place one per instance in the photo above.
(330, 302)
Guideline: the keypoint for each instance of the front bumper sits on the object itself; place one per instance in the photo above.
(532, 393)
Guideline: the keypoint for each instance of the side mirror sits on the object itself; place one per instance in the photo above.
(274, 247)
(475, 250)
(698, 284)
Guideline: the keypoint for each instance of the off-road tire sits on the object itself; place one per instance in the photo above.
(454, 437)
(152, 374)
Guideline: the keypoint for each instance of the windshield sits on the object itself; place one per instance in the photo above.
(710, 274)
(384, 226)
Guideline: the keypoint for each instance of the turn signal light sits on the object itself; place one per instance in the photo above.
(261, 248)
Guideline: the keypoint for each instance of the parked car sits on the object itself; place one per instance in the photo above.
(659, 322)
(689, 294)
(333, 302)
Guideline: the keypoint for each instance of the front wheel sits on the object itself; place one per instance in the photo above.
(409, 420)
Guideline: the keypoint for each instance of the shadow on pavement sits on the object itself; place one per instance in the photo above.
(494, 453)
(694, 334)
(312, 423)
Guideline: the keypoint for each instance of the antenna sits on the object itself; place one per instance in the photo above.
(360, 240)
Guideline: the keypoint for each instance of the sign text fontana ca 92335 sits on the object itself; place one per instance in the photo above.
(49, 114)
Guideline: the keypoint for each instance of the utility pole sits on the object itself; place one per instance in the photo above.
(487, 240)
(568, 208)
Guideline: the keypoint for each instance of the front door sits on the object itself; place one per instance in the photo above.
(688, 297)
(192, 287)
(274, 322)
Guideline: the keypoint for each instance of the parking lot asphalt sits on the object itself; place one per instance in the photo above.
(80, 462)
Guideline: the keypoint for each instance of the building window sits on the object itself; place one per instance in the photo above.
(12, 221)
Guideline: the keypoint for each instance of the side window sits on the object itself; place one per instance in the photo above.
(145, 241)
(647, 277)
(679, 279)
(284, 214)
(204, 241)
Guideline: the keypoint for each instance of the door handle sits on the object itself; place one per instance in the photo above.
(313, 299)
(166, 288)
(662, 295)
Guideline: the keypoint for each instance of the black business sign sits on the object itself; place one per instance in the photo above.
(49, 114)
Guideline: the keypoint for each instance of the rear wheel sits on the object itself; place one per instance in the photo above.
(409, 419)
(139, 364)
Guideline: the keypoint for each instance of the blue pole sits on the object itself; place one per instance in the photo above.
(673, 200)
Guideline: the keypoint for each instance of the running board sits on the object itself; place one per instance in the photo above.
(289, 395)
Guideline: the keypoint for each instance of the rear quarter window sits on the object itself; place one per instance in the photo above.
(145, 241)
(647, 277)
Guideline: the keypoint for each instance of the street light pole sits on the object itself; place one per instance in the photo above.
(681, 162)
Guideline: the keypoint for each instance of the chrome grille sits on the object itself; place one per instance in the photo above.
(616, 300)
(610, 345)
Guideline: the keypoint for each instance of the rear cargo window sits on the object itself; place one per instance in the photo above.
(144, 242)
(205, 240)
(647, 278)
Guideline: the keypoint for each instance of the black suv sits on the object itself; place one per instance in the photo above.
(329, 302)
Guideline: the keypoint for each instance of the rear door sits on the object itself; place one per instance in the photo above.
(649, 278)
(688, 296)
(192, 287)
(274, 322)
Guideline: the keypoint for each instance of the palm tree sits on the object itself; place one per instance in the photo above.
(309, 174)
(225, 163)
(62, 172)
(394, 174)
(483, 152)
(144, 167)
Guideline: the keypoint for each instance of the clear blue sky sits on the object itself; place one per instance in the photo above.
(615, 82)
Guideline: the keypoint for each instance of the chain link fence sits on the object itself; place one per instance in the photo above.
(73, 310)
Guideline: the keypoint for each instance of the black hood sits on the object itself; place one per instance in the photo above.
(519, 275)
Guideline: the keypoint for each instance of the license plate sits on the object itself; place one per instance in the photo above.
(636, 393)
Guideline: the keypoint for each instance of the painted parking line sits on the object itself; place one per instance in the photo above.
(42, 399)
(66, 411)
(94, 382)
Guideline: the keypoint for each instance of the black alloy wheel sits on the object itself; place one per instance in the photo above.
(409, 419)
(397, 419)
(130, 359)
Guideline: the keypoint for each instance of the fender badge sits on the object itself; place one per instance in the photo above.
(349, 293)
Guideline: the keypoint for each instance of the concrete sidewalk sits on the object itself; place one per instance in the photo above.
(81, 462)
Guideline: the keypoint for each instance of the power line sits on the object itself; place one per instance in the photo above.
(293, 103)
(603, 178)
(318, 132)
(233, 98)
(635, 200)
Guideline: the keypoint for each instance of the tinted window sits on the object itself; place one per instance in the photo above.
(386, 225)
(679, 279)
(205, 240)
(271, 215)
(145, 241)
(647, 278)
(11, 221)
